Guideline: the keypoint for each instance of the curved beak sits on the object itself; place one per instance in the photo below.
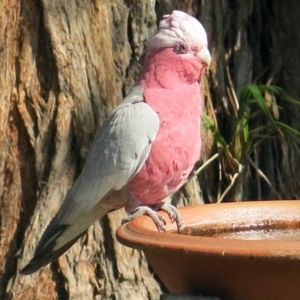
(204, 56)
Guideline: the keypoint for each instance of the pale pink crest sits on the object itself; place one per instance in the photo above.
(179, 27)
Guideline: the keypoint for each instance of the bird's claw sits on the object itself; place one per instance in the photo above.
(173, 213)
(158, 219)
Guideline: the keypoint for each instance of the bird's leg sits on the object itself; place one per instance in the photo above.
(159, 221)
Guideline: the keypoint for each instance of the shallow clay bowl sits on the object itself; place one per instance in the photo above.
(241, 250)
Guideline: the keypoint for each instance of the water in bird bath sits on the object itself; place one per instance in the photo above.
(262, 230)
(263, 234)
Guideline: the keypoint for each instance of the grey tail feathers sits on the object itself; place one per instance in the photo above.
(43, 254)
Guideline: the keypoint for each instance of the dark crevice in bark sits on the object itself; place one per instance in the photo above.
(47, 74)
(109, 246)
(47, 71)
(59, 279)
(264, 44)
(28, 191)
(131, 68)
(27, 175)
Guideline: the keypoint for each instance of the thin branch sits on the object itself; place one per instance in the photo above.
(220, 180)
(263, 176)
(257, 175)
(231, 93)
(206, 164)
(233, 179)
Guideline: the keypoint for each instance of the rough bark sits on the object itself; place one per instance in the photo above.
(64, 66)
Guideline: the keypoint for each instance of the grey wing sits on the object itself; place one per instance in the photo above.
(119, 151)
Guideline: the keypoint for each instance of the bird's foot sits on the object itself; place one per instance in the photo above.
(173, 213)
(153, 214)
(158, 219)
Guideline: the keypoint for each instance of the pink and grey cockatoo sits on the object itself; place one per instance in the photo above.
(148, 146)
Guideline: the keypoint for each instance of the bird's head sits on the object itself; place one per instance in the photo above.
(184, 34)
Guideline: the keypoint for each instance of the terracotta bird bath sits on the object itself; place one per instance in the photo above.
(241, 250)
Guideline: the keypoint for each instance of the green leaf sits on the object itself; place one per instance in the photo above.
(278, 91)
(216, 133)
(288, 128)
(260, 101)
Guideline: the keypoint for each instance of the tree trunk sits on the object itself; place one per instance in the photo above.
(65, 66)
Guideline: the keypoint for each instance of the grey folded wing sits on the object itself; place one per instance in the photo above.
(119, 151)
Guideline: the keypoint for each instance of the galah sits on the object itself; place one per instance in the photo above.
(146, 148)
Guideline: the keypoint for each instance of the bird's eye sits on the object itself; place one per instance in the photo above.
(181, 48)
